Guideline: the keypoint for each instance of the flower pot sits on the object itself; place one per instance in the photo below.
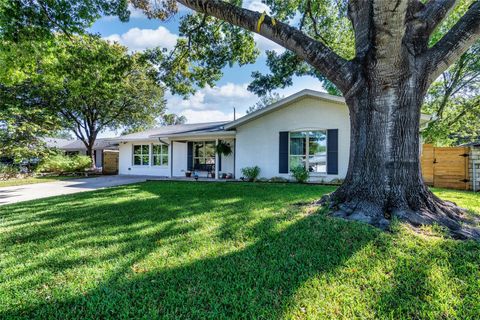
(188, 174)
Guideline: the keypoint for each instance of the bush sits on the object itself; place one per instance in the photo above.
(61, 164)
(300, 174)
(8, 171)
(251, 173)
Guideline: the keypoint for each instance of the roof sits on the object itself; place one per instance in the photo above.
(283, 103)
(174, 130)
(55, 142)
(71, 145)
(291, 99)
(219, 128)
(100, 143)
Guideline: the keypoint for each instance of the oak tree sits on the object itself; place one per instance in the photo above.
(383, 75)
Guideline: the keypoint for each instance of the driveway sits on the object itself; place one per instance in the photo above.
(15, 194)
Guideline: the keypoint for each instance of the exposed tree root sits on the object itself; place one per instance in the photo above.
(431, 210)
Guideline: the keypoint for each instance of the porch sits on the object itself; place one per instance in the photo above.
(205, 158)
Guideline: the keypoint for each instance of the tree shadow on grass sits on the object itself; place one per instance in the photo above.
(255, 282)
(248, 267)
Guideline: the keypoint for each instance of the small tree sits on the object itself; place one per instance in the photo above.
(101, 86)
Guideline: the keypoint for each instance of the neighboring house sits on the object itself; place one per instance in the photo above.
(309, 128)
(73, 147)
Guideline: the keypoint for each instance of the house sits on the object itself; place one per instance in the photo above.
(308, 128)
(74, 147)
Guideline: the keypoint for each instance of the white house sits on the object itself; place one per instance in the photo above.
(308, 128)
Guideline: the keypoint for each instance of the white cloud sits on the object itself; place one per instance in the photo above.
(264, 44)
(137, 39)
(256, 5)
(217, 103)
(213, 104)
(195, 116)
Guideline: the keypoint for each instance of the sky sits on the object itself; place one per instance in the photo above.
(207, 104)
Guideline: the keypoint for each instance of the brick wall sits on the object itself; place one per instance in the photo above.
(475, 157)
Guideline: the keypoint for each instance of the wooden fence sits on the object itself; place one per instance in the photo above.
(110, 162)
(446, 167)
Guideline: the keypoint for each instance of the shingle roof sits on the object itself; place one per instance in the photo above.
(100, 143)
(65, 144)
(193, 128)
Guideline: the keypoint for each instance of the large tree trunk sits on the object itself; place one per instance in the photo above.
(384, 178)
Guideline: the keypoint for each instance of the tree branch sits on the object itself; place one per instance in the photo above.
(338, 70)
(455, 43)
(434, 13)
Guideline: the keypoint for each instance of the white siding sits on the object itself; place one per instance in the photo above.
(258, 140)
(228, 162)
(125, 162)
(179, 159)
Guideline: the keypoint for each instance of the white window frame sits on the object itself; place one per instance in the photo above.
(307, 150)
(161, 155)
(142, 154)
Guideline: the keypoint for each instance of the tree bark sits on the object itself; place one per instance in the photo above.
(384, 87)
(91, 154)
(384, 178)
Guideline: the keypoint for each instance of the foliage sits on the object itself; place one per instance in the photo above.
(454, 101)
(265, 101)
(251, 173)
(300, 174)
(83, 84)
(8, 171)
(24, 117)
(205, 47)
(223, 148)
(171, 119)
(60, 163)
(25, 19)
(133, 252)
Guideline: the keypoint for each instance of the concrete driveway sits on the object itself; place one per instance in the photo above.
(15, 194)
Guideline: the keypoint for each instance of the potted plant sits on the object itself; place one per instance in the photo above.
(188, 174)
(223, 148)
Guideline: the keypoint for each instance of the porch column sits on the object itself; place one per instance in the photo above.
(216, 159)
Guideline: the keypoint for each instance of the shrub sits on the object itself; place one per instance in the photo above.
(300, 174)
(60, 163)
(251, 173)
(8, 171)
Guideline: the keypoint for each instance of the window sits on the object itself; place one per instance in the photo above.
(160, 155)
(309, 149)
(203, 152)
(141, 155)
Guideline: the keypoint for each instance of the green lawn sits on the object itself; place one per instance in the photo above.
(31, 180)
(174, 250)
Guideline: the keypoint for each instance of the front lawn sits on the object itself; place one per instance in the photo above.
(32, 180)
(175, 250)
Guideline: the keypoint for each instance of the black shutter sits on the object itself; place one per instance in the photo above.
(219, 162)
(283, 153)
(190, 156)
(332, 151)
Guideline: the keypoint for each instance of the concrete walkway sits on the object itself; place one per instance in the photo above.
(27, 192)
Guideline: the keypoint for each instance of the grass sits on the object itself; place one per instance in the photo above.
(32, 180)
(173, 250)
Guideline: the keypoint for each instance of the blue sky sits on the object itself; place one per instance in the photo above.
(207, 104)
